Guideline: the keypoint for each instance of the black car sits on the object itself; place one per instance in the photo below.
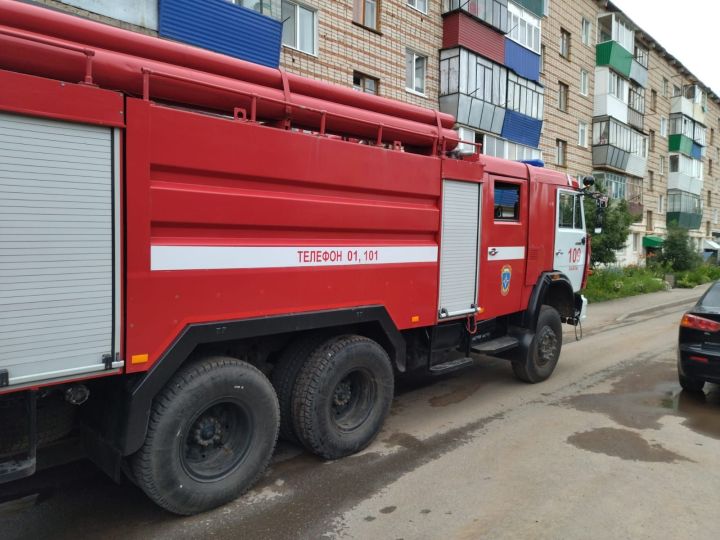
(699, 342)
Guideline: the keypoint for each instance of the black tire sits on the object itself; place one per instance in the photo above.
(342, 396)
(211, 434)
(284, 375)
(544, 352)
(691, 384)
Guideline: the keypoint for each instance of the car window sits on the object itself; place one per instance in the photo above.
(712, 297)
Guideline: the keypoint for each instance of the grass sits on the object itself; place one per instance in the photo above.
(611, 283)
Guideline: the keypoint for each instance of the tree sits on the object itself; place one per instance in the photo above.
(615, 229)
(677, 252)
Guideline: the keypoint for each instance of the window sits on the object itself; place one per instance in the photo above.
(614, 133)
(415, 69)
(570, 211)
(663, 126)
(525, 97)
(265, 7)
(365, 13)
(662, 165)
(365, 83)
(462, 71)
(636, 242)
(710, 166)
(420, 5)
(642, 56)
(653, 100)
(563, 90)
(494, 146)
(651, 180)
(582, 134)
(299, 27)
(686, 166)
(561, 153)
(493, 12)
(636, 100)
(665, 87)
(712, 136)
(542, 59)
(524, 27)
(649, 220)
(661, 204)
(585, 31)
(507, 201)
(564, 43)
(652, 141)
(617, 86)
(584, 82)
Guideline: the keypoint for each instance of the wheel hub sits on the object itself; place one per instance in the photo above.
(548, 345)
(208, 431)
(342, 395)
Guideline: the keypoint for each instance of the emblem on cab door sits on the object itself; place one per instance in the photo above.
(505, 277)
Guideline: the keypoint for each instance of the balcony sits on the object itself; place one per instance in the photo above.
(623, 187)
(680, 143)
(461, 30)
(610, 95)
(223, 27)
(685, 174)
(686, 220)
(684, 209)
(614, 55)
(535, 6)
(473, 89)
(619, 147)
(691, 101)
(492, 12)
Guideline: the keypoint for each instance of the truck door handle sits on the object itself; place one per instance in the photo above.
(558, 252)
(492, 252)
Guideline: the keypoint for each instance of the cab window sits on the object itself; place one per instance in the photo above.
(570, 215)
(507, 201)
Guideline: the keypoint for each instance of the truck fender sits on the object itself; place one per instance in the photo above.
(140, 395)
(554, 289)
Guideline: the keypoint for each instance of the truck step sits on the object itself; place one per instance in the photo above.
(452, 365)
(494, 346)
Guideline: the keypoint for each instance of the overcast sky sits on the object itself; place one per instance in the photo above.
(687, 29)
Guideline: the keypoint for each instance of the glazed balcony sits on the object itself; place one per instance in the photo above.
(537, 7)
(690, 101)
(684, 209)
(491, 12)
(617, 146)
(686, 220)
(611, 95)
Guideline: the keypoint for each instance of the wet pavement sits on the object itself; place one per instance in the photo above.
(608, 447)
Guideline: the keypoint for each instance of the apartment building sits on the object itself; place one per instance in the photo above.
(573, 82)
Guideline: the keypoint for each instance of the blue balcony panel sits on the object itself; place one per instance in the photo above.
(522, 61)
(222, 27)
(697, 151)
(521, 129)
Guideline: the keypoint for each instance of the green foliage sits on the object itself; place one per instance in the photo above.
(678, 254)
(615, 229)
(610, 283)
(702, 274)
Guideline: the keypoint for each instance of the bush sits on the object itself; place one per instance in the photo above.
(610, 283)
(678, 254)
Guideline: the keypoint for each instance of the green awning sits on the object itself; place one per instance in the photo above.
(650, 241)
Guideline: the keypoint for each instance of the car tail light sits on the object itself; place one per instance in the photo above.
(699, 323)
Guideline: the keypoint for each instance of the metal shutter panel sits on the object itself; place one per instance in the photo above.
(459, 247)
(56, 248)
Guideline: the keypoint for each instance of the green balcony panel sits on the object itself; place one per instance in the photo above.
(536, 6)
(612, 54)
(686, 220)
(680, 143)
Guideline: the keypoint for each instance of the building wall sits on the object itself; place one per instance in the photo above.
(344, 47)
(558, 124)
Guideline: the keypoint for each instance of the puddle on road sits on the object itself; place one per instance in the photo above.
(645, 394)
(624, 444)
(462, 389)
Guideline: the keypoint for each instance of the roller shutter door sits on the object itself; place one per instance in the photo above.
(459, 248)
(56, 248)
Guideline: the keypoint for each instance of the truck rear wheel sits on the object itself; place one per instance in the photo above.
(540, 360)
(211, 434)
(342, 396)
(284, 375)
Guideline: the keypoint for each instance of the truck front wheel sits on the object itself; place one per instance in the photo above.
(541, 358)
(211, 434)
(342, 396)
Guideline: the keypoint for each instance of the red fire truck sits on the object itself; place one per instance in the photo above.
(198, 253)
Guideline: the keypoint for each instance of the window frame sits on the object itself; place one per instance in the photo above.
(365, 77)
(360, 11)
(565, 43)
(560, 150)
(416, 55)
(584, 82)
(315, 15)
(413, 5)
(585, 31)
(517, 209)
(563, 96)
(582, 134)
